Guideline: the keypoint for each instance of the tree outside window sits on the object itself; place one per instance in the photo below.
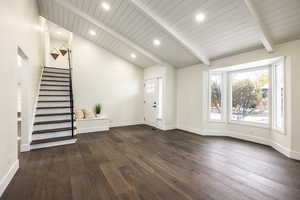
(215, 97)
(250, 96)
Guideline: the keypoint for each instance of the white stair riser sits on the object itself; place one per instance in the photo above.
(55, 70)
(51, 111)
(51, 135)
(53, 104)
(53, 74)
(52, 144)
(47, 98)
(54, 93)
(56, 79)
(52, 118)
(51, 126)
(55, 83)
(55, 87)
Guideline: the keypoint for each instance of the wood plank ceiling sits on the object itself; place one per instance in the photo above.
(228, 28)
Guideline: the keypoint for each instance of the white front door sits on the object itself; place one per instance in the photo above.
(151, 102)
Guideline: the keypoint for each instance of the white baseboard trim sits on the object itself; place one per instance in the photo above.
(212, 133)
(8, 176)
(168, 127)
(281, 149)
(250, 138)
(191, 130)
(91, 130)
(120, 124)
(25, 147)
(278, 147)
(295, 155)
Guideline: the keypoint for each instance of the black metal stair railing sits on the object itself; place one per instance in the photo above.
(71, 92)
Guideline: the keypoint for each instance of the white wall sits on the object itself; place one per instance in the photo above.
(19, 27)
(191, 97)
(101, 77)
(168, 73)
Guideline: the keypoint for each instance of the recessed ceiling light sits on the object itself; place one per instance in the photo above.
(58, 32)
(92, 32)
(156, 42)
(133, 56)
(105, 6)
(200, 17)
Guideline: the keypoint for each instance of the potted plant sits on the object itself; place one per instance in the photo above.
(98, 110)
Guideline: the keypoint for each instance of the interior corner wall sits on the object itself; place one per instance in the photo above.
(192, 94)
(19, 27)
(168, 73)
(101, 77)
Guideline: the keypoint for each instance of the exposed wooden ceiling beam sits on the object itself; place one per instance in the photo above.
(105, 28)
(264, 37)
(188, 45)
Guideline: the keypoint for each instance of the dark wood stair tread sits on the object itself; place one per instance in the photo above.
(49, 80)
(58, 139)
(52, 122)
(53, 107)
(52, 114)
(53, 90)
(53, 130)
(53, 85)
(54, 95)
(50, 72)
(52, 76)
(58, 101)
(56, 68)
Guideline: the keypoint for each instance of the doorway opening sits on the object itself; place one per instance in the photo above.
(22, 95)
(153, 101)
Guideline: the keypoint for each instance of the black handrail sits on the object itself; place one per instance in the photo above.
(71, 92)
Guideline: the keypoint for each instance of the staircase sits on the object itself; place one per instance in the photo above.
(54, 118)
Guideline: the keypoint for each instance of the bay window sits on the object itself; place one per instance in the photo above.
(251, 94)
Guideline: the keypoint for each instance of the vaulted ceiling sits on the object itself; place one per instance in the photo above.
(130, 26)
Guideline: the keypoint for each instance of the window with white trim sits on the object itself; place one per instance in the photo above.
(215, 96)
(249, 92)
(278, 95)
(252, 93)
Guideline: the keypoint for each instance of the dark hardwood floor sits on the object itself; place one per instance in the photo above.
(140, 163)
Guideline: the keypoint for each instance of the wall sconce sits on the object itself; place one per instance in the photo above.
(54, 53)
(63, 50)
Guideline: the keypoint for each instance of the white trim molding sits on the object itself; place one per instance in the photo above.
(25, 147)
(120, 124)
(92, 129)
(168, 127)
(8, 176)
(260, 140)
(191, 130)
